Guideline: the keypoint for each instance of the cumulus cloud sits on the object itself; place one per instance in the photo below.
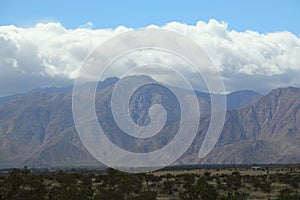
(45, 55)
(50, 54)
(248, 59)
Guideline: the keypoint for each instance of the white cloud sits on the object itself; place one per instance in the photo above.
(49, 54)
(245, 52)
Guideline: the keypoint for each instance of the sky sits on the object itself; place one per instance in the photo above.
(262, 16)
(255, 44)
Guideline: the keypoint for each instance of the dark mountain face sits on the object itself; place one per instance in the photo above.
(238, 99)
(37, 128)
(267, 131)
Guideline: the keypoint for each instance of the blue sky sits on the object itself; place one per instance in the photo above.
(262, 16)
(51, 54)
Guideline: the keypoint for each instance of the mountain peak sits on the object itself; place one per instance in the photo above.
(241, 98)
(289, 89)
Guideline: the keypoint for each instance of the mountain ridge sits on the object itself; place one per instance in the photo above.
(37, 128)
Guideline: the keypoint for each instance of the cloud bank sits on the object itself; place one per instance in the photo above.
(51, 55)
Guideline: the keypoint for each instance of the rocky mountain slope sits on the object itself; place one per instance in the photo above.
(267, 131)
(37, 128)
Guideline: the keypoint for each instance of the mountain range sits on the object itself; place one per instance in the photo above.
(37, 128)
